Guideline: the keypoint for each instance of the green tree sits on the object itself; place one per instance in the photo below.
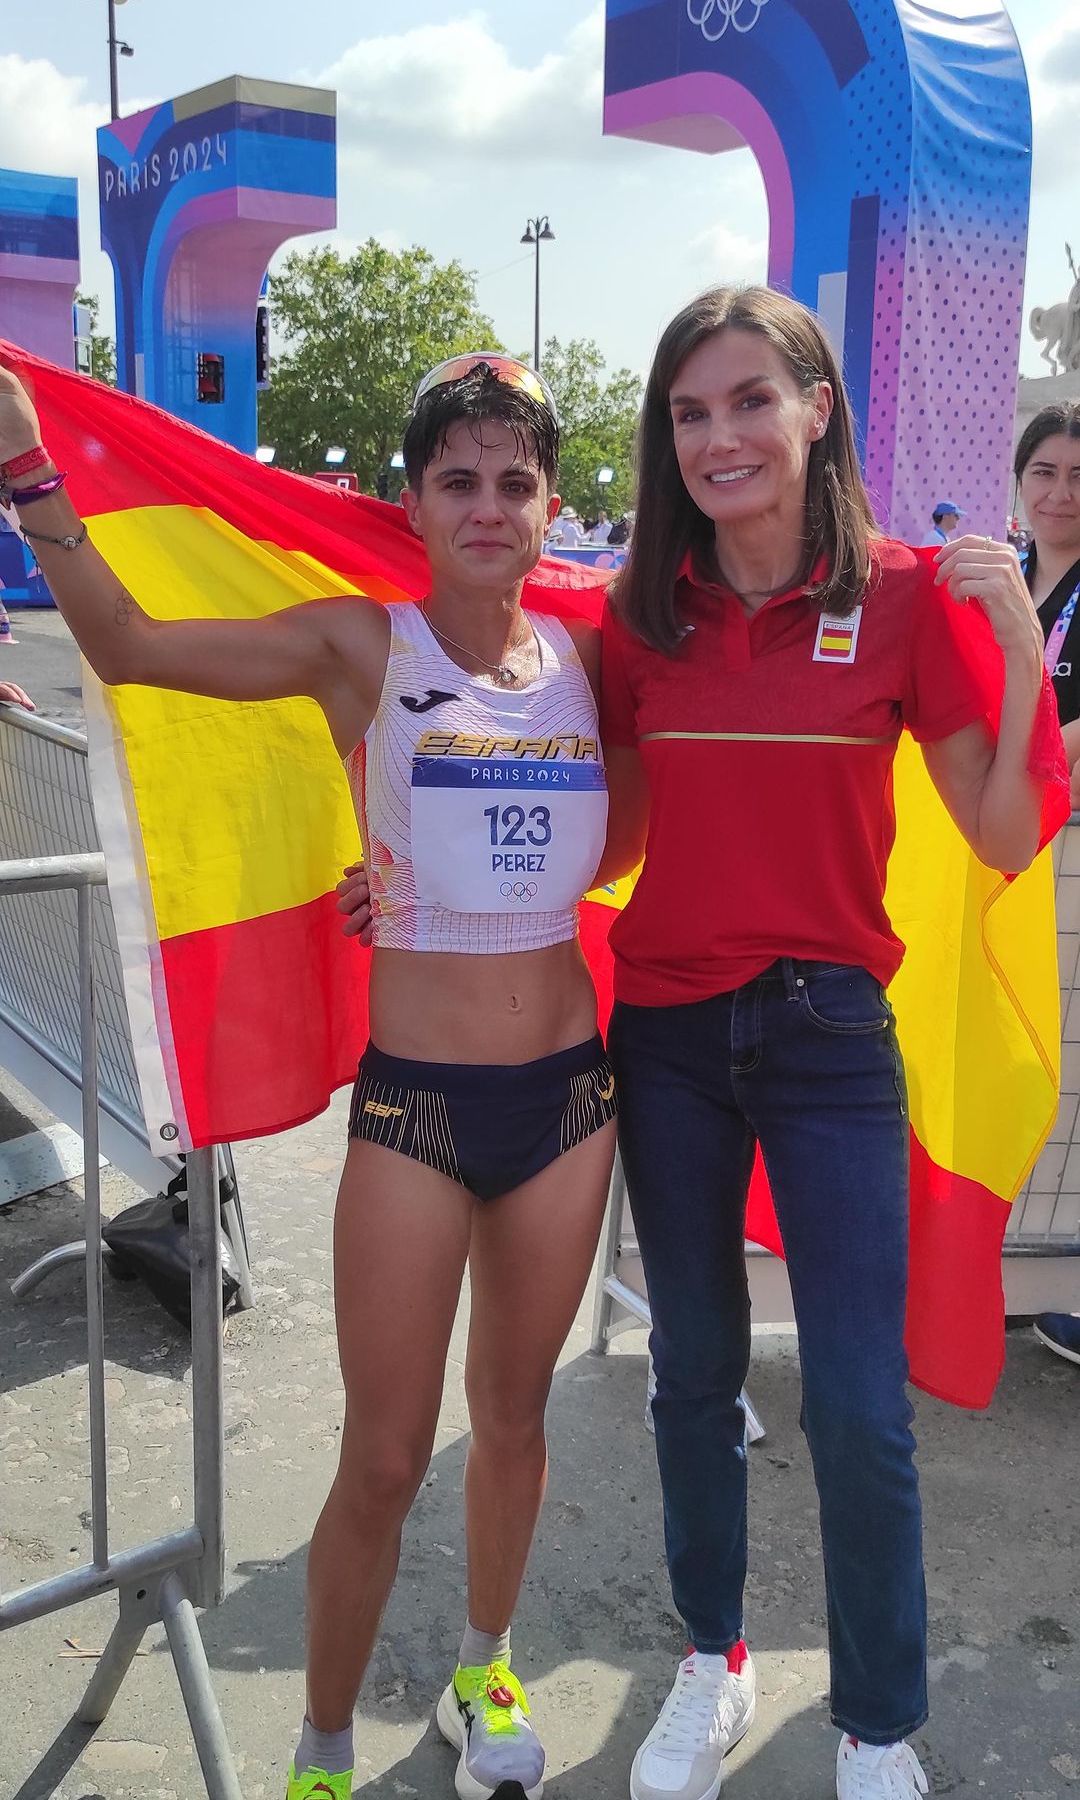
(103, 350)
(598, 413)
(359, 332)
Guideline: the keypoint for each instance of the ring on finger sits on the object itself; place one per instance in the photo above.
(988, 543)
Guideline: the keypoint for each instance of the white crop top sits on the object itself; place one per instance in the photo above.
(482, 810)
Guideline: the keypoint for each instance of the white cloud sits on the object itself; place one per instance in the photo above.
(1054, 79)
(409, 101)
(724, 255)
(1059, 64)
(46, 123)
(48, 126)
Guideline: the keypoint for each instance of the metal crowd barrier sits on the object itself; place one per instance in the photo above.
(46, 810)
(164, 1579)
(1043, 1239)
(1041, 1266)
(591, 556)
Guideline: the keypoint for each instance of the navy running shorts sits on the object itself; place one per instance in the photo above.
(489, 1126)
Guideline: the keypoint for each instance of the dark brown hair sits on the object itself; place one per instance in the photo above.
(1060, 420)
(839, 520)
(477, 399)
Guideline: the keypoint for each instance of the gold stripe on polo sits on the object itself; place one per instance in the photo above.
(761, 737)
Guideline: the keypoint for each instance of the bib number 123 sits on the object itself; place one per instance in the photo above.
(515, 827)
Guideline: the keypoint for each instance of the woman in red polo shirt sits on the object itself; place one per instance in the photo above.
(764, 648)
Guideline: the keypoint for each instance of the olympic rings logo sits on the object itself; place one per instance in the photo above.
(518, 890)
(715, 16)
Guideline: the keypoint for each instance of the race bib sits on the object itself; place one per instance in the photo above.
(494, 836)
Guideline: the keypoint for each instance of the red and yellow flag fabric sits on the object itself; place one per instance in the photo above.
(226, 826)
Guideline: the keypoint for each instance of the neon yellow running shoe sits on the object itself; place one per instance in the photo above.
(316, 1784)
(484, 1714)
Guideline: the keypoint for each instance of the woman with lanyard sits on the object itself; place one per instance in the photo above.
(482, 1121)
(763, 649)
(1047, 470)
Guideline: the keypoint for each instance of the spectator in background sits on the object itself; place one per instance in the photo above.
(9, 523)
(601, 531)
(566, 531)
(1047, 470)
(620, 531)
(6, 524)
(947, 516)
(1060, 1332)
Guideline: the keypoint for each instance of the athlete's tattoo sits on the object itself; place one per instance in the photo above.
(125, 608)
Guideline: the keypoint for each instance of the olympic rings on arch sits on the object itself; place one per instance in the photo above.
(522, 891)
(713, 17)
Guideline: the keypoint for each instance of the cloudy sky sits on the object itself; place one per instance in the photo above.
(453, 130)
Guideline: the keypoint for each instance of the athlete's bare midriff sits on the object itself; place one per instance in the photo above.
(434, 1006)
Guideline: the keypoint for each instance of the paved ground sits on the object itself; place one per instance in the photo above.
(45, 662)
(595, 1639)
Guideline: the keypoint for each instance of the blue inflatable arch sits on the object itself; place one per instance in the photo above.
(894, 139)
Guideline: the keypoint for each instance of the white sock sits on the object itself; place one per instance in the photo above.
(328, 1750)
(480, 1648)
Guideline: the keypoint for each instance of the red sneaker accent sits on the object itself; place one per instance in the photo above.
(500, 1696)
(737, 1656)
(854, 1742)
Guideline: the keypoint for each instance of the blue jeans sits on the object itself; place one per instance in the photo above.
(804, 1061)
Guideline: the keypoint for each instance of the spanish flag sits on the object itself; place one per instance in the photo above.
(226, 826)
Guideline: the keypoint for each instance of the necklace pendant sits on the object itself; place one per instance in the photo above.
(504, 676)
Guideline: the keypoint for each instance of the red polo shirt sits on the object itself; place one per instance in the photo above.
(768, 743)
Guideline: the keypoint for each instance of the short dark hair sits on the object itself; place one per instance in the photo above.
(839, 519)
(477, 398)
(1062, 419)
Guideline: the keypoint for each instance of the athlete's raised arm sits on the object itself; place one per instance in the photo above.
(333, 650)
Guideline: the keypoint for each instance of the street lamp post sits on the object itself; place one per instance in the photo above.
(116, 46)
(605, 475)
(538, 231)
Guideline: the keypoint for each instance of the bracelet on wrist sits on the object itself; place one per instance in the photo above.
(39, 491)
(69, 542)
(37, 458)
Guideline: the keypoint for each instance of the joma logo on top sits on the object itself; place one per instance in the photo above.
(715, 16)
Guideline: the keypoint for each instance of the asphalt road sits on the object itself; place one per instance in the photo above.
(44, 661)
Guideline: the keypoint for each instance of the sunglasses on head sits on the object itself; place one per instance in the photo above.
(504, 368)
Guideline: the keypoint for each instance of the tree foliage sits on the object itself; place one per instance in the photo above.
(598, 414)
(359, 333)
(102, 348)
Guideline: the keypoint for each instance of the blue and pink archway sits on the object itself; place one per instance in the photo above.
(894, 139)
(196, 196)
(39, 262)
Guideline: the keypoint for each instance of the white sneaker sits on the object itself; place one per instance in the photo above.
(878, 1772)
(707, 1711)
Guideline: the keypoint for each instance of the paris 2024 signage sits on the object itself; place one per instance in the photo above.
(894, 140)
(196, 196)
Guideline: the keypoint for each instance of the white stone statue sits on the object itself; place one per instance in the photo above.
(1057, 328)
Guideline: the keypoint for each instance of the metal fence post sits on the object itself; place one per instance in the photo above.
(158, 1580)
(207, 1373)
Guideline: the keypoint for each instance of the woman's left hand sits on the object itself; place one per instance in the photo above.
(977, 568)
